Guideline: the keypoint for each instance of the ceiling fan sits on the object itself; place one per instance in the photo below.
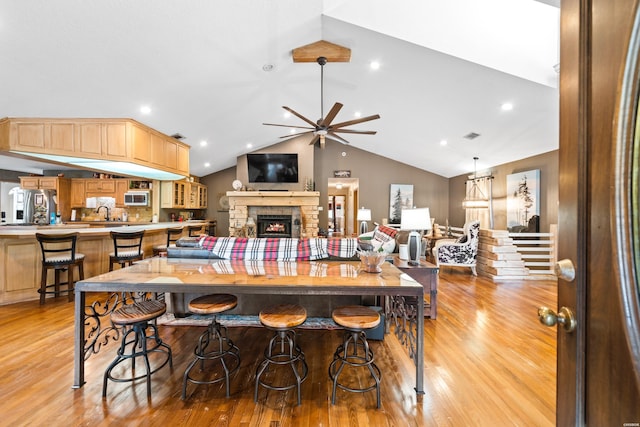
(324, 128)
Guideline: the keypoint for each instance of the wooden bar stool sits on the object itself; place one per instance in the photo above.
(283, 349)
(127, 248)
(173, 234)
(135, 319)
(214, 344)
(59, 254)
(354, 351)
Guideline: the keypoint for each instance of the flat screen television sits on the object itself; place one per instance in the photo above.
(273, 167)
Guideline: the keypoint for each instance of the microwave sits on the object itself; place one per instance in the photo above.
(136, 198)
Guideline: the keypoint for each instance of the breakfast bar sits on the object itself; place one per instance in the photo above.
(156, 276)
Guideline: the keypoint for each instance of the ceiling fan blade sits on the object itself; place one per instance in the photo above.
(289, 126)
(291, 135)
(300, 116)
(362, 132)
(315, 139)
(332, 114)
(356, 121)
(335, 137)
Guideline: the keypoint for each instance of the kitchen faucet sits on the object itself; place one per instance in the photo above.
(108, 216)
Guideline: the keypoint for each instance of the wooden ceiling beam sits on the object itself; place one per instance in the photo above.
(331, 51)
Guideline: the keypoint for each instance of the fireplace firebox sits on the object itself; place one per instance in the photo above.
(274, 225)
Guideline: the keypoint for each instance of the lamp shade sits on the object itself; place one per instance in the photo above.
(415, 219)
(364, 214)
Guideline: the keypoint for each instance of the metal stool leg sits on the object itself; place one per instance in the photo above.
(283, 350)
(360, 356)
(214, 336)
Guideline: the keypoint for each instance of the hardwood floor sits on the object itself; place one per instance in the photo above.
(488, 362)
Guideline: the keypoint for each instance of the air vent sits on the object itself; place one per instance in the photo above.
(177, 136)
(471, 135)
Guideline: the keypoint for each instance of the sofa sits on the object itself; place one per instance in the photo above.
(247, 254)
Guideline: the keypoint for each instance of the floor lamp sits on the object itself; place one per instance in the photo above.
(414, 220)
(364, 215)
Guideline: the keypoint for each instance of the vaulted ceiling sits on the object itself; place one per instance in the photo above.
(215, 71)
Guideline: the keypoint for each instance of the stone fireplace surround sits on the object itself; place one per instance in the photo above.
(301, 205)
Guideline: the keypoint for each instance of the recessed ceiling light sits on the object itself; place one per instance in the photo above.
(286, 114)
(357, 114)
(145, 109)
(207, 164)
(203, 143)
(292, 131)
(443, 142)
(249, 145)
(375, 65)
(507, 106)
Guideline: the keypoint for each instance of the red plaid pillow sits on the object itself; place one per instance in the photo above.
(384, 233)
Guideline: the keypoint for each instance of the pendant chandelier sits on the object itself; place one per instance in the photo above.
(475, 198)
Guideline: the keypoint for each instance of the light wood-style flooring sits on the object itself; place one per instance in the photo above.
(488, 362)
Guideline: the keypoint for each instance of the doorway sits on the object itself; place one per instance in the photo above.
(343, 195)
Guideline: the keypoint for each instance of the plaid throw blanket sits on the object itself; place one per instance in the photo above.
(257, 249)
(288, 249)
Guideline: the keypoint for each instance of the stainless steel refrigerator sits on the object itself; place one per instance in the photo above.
(39, 205)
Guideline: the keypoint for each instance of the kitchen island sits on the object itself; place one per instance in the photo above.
(21, 259)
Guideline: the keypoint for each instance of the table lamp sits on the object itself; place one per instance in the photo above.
(364, 215)
(414, 220)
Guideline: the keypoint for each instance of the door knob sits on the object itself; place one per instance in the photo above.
(564, 270)
(565, 317)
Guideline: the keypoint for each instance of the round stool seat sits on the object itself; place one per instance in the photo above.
(283, 316)
(212, 304)
(139, 312)
(356, 317)
(137, 342)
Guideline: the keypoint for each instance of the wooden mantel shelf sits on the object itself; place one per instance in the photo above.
(273, 193)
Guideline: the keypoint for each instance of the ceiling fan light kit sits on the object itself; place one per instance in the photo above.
(324, 127)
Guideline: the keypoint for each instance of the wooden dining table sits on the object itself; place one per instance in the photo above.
(156, 276)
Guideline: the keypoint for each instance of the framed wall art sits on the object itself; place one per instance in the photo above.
(400, 197)
(523, 197)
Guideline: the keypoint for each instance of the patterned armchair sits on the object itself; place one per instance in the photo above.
(461, 252)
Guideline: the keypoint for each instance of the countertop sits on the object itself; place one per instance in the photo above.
(90, 227)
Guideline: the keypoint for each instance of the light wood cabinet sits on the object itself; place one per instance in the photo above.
(173, 194)
(197, 196)
(81, 188)
(38, 183)
(100, 185)
(203, 196)
(183, 194)
(78, 193)
(104, 139)
(122, 186)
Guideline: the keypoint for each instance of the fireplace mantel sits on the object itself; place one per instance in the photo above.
(306, 201)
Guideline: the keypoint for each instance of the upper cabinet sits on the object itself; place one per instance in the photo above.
(38, 183)
(106, 139)
(183, 194)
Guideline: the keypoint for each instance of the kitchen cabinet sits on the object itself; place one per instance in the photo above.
(39, 183)
(173, 194)
(197, 196)
(103, 139)
(78, 193)
(202, 196)
(122, 186)
(115, 188)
